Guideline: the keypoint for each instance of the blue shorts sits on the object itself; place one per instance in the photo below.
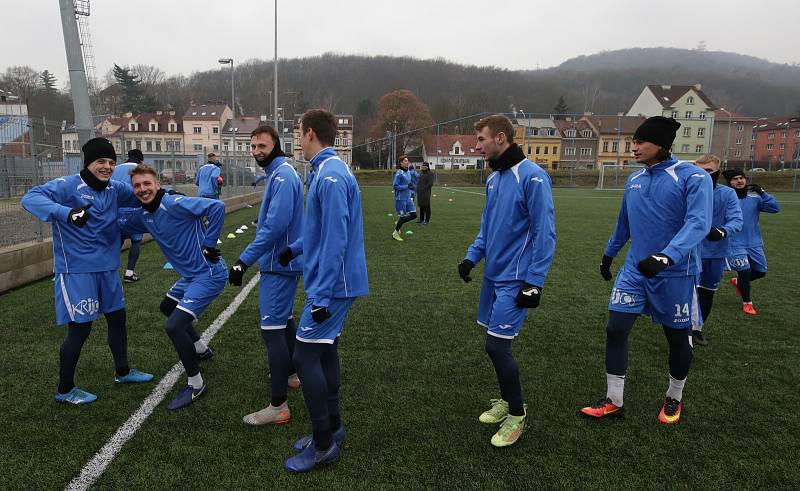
(497, 310)
(80, 297)
(276, 299)
(310, 332)
(713, 269)
(670, 301)
(402, 207)
(122, 219)
(410, 206)
(752, 258)
(194, 295)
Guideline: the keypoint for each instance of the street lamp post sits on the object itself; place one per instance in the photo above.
(728, 137)
(226, 61)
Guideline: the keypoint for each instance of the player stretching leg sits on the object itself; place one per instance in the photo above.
(86, 240)
(176, 224)
(280, 223)
(748, 258)
(715, 249)
(517, 238)
(666, 212)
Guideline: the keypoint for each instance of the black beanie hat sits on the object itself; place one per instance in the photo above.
(731, 173)
(97, 148)
(135, 155)
(658, 130)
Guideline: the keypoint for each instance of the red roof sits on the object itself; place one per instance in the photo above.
(446, 142)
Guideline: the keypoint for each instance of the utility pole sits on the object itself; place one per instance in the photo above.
(79, 87)
(275, 63)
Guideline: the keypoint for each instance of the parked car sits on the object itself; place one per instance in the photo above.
(757, 169)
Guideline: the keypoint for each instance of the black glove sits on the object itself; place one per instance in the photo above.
(172, 191)
(236, 273)
(285, 256)
(605, 267)
(253, 184)
(212, 254)
(716, 234)
(654, 264)
(528, 296)
(319, 314)
(79, 216)
(464, 268)
(756, 189)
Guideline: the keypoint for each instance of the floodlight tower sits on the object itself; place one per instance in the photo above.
(71, 10)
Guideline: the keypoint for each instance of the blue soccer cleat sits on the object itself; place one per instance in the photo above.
(186, 397)
(76, 396)
(302, 443)
(133, 377)
(306, 460)
(205, 355)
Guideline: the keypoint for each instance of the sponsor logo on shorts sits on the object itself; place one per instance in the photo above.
(87, 306)
(619, 297)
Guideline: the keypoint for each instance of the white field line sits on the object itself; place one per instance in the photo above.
(97, 465)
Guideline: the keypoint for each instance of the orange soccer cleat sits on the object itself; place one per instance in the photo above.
(603, 408)
(670, 411)
(748, 308)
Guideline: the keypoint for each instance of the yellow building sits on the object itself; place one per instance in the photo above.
(540, 140)
(615, 137)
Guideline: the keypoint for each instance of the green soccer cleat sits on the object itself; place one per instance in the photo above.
(496, 414)
(509, 431)
(396, 236)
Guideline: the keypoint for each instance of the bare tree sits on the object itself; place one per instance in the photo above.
(21, 80)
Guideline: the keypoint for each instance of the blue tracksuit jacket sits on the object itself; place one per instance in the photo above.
(177, 227)
(280, 219)
(121, 174)
(752, 205)
(206, 180)
(727, 215)
(401, 185)
(414, 175)
(667, 209)
(95, 246)
(518, 228)
(334, 264)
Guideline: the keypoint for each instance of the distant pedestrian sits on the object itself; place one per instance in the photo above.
(424, 187)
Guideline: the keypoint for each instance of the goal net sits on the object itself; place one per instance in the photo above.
(613, 176)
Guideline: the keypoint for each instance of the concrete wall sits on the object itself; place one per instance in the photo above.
(31, 261)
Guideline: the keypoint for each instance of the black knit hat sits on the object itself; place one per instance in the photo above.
(97, 148)
(135, 155)
(658, 130)
(731, 173)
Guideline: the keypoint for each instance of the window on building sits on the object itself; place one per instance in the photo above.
(198, 147)
(158, 145)
(771, 135)
(770, 146)
(172, 127)
(569, 151)
(737, 153)
(149, 145)
(338, 141)
(538, 150)
(133, 127)
(215, 130)
(555, 150)
(783, 135)
(197, 130)
(529, 149)
(605, 147)
(128, 145)
(687, 131)
(739, 127)
(738, 141)
(701, 132)
(698, 148)
(783, 146)
(153, 126)
(702, 115)
(586, 151)
(674, 115)
(797, 134)
(547, 150)
(627, 147)
(614, 146)
(226, 146)
(287, 148)
(685, 147)
(571, 133)
(688, 115)
(753, 137)
(586, 133)
(690, 100)
(216, 147)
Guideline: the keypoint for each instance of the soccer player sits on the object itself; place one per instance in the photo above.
(334, 275)
(715, 249)
(86, 240)
(517, 238)
(747, 258)
(208, 178)
(122, 174)
(403, 202)
(176, 224)
(666, 212)
(280, 223)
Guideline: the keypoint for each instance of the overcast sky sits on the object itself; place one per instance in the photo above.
(182, 36)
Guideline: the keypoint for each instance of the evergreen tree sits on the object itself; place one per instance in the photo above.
(561, 106)
(48, 81)
(131, 91)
